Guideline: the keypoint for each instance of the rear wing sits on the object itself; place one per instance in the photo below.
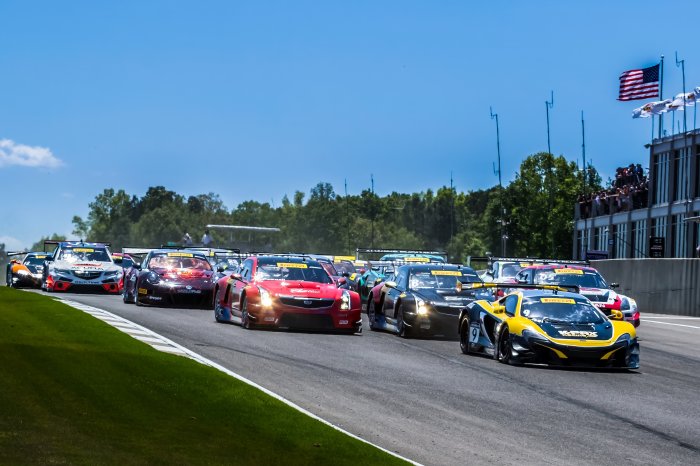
(565, 288)
(53, 242)
(524, 260)
(359, 251)
(137, 251)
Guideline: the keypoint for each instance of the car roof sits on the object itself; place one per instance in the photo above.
(435, 266)
(292, 259)
(560, 266)
(197, 254)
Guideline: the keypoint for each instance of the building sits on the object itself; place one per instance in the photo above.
(664, 224)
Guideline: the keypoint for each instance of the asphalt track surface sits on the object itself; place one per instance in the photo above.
(426, 401)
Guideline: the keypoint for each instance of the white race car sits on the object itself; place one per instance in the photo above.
(80, 266)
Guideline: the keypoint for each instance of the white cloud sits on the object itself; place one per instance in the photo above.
(12, 244)
(12, 153)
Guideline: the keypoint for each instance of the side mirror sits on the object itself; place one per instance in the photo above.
(616, 315)
(499, 309)
(390, 284)
(137, 265)
(614, 286)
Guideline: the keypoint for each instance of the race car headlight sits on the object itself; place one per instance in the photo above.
(421, 307)
(22, 272)
(152, 278)
(345, 301)
(113, 273)
(624, 337)
(265, 298)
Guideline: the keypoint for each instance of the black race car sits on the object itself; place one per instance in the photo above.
(423, 299)
(171, 278)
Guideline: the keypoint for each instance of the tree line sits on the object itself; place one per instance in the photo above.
(535, 211)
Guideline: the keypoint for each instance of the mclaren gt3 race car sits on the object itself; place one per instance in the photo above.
(27, 272)
(548, 325)
(286, 292)
(80, 266)
(423, 299)
(171, 278)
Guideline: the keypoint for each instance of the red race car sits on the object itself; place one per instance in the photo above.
(286, 292)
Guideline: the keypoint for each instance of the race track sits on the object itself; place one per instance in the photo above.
(428, 402)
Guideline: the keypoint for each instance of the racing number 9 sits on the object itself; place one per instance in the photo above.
(474, 334)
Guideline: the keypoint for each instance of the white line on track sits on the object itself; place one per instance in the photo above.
(164, 344)
(670, 323)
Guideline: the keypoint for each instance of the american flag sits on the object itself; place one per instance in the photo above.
(639, 84)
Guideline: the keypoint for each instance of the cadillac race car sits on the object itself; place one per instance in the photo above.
(591, 283)
(81, 266)
(170, 278)
(547, 324)
(423, 299)
(27, 272)
(286, 292)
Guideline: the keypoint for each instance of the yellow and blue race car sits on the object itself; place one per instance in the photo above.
(547, 325)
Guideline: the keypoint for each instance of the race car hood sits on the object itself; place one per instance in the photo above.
(184, 275)
(452, 297)
(572, 331)
(301, 288)
(86, 266)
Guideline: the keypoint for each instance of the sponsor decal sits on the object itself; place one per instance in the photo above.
(451, 273)
(343, 258)
(292, 265)
(578, 333)
(524, 264)
(526, 312)
(41, 257)
(83, 250)
(143, 291)
(416, 259)
(269, 319)
(557, 301)
(180, 254)
(304, 290)
(343, 322)
(568, 271)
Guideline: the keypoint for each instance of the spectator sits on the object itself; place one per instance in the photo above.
(187, 239)
(207, 239)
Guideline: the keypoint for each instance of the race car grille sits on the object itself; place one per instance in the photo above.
(306, 303)
(449, 310)
(307, 321)
(87, 275)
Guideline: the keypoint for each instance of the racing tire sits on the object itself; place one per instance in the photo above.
(404, 331)
(245, 318)
(372, 315)
(464, 336)
(504, 348)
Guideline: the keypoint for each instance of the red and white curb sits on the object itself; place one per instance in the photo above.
(164, 344)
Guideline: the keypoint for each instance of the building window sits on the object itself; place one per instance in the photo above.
(661, 178)
(621, 241)
(681, 173)
(639, 238)
(658, 227)
(602, 239)
(679, 236)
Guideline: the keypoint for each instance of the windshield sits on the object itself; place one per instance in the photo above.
(308, 272)
(34, 260)
(561, 310)
(178, 261)
(510, 270)
(567, 276)
(345, 267)
(328, 267)
(73, 255)
(441, 279)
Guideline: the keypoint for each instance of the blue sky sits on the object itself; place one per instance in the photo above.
(254, 100)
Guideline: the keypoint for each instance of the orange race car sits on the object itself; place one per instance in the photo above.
(26, 272)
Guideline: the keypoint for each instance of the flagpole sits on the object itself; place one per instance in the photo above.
(549, 105)
(681, 64)
(661, 97)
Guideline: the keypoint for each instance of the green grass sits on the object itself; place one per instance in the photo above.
(74, 390)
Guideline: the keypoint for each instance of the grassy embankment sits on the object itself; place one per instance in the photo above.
(74, 390)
